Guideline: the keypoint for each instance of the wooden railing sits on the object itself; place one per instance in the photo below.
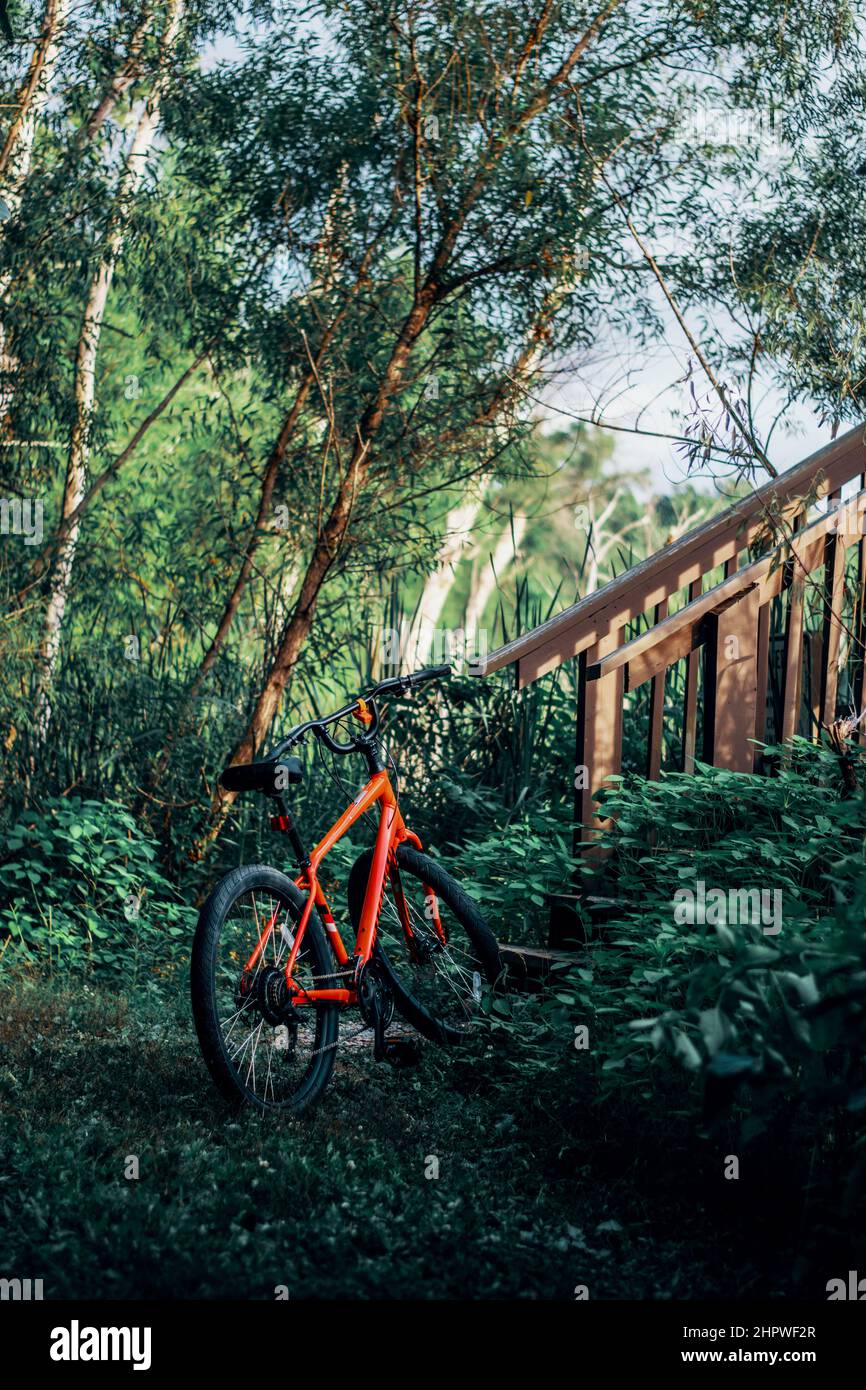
(782, 553)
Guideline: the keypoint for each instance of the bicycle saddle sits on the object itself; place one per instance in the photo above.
(272, 776)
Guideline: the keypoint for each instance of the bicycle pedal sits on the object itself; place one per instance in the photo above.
(402, 1052)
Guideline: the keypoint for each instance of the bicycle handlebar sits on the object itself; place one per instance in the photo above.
(394, 685)
(404, 683)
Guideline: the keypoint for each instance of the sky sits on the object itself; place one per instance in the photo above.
(648, 391)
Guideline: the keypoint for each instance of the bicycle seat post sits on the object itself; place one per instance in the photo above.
(284, 822)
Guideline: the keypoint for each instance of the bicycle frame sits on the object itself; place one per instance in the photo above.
(391, 833)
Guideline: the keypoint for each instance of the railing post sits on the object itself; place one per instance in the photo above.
(793, 663)
(599, 734)
(690, 699)
(731, 683)
(813, 648)
(834, 598)
(761, 681)
(656, 711)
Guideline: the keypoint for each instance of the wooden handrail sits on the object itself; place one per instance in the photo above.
(727, 626)
(659, 645)
(717, 541)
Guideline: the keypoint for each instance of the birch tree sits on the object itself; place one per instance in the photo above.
(16, 156)
(129, 182)
(489, 574)
(419, 642)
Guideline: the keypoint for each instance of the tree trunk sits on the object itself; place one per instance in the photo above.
(85, 376)
(324, 554)
(277, 455)
(157, 769)
(120, 81)
(16, 157)
(504, 552)
(17, 153)
(330, 538)
(458, 531)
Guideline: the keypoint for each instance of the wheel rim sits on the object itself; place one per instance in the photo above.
(272, 1051)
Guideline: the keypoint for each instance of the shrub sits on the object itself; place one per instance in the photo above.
(79, 887)
(756, 1017)
(510, 871)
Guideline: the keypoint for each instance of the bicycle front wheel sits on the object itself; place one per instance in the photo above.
(439, 976)
(258, 1048)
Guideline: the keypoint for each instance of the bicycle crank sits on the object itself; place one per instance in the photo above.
(376, 1002)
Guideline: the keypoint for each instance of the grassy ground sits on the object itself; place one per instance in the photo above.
(536, 1192)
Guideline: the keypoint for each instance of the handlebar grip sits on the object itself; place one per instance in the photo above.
(429, 673)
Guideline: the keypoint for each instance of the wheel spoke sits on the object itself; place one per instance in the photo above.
(270, 1055)
(446, 981)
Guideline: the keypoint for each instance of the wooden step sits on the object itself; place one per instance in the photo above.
(529, 967)
(568, 926)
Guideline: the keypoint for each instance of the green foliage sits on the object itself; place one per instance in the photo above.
(776, 1003)
(80, 888)
(765, 1013)
(236, 1195)
(223, 1205)
(510, 871)
(730, 829)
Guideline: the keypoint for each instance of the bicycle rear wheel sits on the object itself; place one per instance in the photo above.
(258, 1049)
(438, 986)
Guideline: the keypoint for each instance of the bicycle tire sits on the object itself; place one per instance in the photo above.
(399, 969)
(218, 1057)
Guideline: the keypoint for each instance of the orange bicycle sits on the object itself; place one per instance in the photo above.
(270, 974)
